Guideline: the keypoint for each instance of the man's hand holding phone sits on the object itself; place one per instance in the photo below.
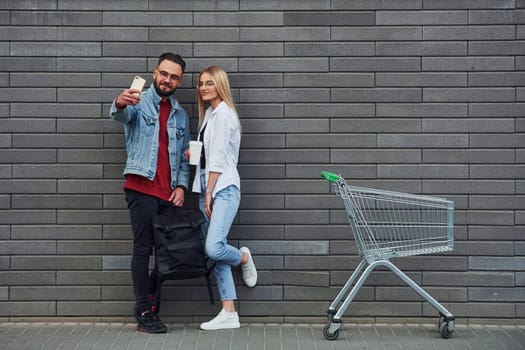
(131, 96)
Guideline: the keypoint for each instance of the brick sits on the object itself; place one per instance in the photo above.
(496, 17)
(27, 186)
(101, 65)
(497, 202)
(27, 33)
(468, 156)
(255, 232)
(284, 95)
(300, 278)
(375, 156)
(282, 216)
(375, 4)
(55, 49)
(54, 110)
(114, 201)
(375, 95)
(490, 217)
(89, 278)
(497, 140)
(334, 110)
(55, 202)
(497, 294)
(496, 48)
(5, 141)
(23, 248)
(470, 32)
(263, 141)
(28, 308)
(92, 217)
(219, 19)
(5, 171)
(468, 125)
(145, 19)
(329, 18)
(183, 5)
(331, 49)
(56, 18)
(283, 156)
(467, 63)
(283, 64)
(282, 186)
(54, 293)
(372, 33)
(284, 5)
(423, 110)
(468, 186)
(91, 156)
(71, 33)
(287, 248)
(261, 171)
(466, 4)
(27, 125)
(57, 141)
(323, 293)
(499, 172)
(57, 171)
(421, 17)
(520, 279)
(27, 94)
(329, 80)
(27, 278)
(330, 140)
(116, 262)
(88, 126)
(422, 171)
(497, 79)
(91, 5)
(90, 186)
(374, 64)
(238, 49)
(194, 34)
(284, 34)
(151, 49)
(53, 262)
(88, 308)
(104, 247)
(496, 263)
(421, 79)
(469, 279)
(493, 232)
(519, 248)
(468, 94)
(408, 294)
(496, 109)
(117, 232)
(422, 141)
(4, 293)
(262, 202)
(284, 125)
(62, 80)
(50, 232)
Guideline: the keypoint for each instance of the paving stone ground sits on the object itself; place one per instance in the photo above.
(122, 336)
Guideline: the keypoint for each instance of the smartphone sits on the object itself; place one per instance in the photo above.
(138, 83)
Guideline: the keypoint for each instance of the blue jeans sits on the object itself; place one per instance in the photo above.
(225, 205)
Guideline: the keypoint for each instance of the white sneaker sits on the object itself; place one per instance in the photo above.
(249, 272)
(224, 320)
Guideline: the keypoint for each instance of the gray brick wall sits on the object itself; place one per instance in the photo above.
(408, 95)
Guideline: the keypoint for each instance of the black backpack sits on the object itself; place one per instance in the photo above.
(179, 252)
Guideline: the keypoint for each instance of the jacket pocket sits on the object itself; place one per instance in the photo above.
(147, 125)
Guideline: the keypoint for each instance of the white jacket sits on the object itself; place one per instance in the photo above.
(222, 140)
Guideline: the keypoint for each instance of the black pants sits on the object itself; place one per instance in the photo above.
(142, 208)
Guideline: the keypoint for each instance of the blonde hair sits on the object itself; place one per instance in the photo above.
(222, 84)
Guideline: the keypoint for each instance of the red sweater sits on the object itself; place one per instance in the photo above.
(160, 187)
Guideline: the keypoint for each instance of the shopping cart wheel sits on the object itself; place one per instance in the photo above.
(446, 330)
(328, 335)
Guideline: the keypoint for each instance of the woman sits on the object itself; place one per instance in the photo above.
(218, 183)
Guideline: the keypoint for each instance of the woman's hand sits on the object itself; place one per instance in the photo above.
(208, 204)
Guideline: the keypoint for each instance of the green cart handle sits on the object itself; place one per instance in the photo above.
(328, 176)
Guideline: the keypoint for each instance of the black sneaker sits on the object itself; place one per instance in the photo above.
(149, 322)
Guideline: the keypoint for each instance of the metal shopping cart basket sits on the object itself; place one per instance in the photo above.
(386, 225)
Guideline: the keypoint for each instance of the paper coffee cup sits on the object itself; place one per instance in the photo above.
(195, 152)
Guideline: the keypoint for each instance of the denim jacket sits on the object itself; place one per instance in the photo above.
(141, 129)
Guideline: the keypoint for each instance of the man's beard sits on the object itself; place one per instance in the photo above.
(162, 93)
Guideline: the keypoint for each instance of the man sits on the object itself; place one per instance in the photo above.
(157, 133)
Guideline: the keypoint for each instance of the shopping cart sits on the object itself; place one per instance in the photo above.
(387, 225)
